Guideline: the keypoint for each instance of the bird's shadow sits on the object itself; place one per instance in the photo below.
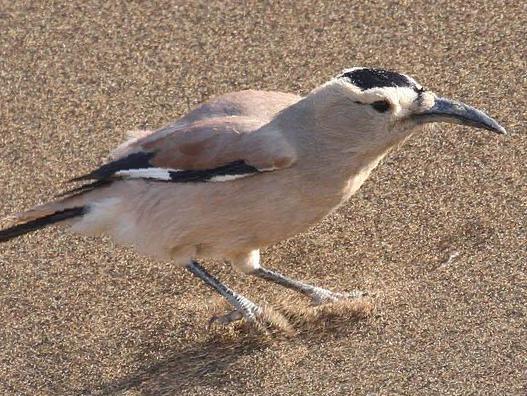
(205, 363)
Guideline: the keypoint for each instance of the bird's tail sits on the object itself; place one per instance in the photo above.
(40, 217)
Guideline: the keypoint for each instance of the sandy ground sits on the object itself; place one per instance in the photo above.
(81, 316)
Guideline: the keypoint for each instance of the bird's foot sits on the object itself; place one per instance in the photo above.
(322, 296)
(248, 311)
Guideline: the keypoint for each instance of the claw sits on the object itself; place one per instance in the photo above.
(323, 296)
(250, 315)
(224, 320)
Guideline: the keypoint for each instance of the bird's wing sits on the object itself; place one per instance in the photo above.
(210, 150)
(250, 103)
(259, 106)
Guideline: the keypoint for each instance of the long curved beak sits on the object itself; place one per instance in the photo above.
(446, 110)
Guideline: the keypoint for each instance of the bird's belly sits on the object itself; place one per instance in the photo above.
(210, 219)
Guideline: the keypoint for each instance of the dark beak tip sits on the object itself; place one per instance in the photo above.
(448, 110)
(500, 130)
(497, 128)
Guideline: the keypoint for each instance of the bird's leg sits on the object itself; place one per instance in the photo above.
(243, 308)
(318, 295)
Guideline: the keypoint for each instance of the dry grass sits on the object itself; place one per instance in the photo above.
(438, 234)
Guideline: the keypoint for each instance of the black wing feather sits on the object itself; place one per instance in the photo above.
(105, 175)
(202, 175)
(139, 160)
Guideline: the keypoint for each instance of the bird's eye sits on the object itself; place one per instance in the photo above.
(382, 106)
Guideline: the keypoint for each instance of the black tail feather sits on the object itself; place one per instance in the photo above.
(84, 188)
(33, 225)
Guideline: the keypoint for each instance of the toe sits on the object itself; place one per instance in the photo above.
(224, 320)
(323, 296)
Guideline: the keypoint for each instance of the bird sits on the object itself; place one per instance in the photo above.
(246, 170)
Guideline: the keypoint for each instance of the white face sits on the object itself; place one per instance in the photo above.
(388, 98)
(379, 108)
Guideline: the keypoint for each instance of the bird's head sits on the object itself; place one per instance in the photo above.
(381, 108)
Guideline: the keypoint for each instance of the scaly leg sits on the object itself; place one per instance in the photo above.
(318, 295)
(242, 306)
(249, 263)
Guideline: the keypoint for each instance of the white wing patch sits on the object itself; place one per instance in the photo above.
(224, 178)
(147, 173)
(232, 171)
(167, 174)
(268, 169)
